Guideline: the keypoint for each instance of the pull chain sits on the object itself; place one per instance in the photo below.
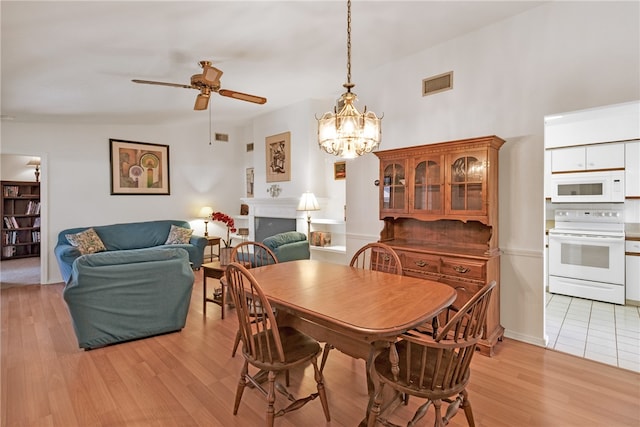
(349, 42)
(209, 123)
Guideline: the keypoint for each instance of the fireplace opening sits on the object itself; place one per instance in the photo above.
(266, 227)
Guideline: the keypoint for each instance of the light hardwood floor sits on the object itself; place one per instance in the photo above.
(189, 379)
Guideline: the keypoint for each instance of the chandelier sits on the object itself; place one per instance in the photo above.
(346, 132)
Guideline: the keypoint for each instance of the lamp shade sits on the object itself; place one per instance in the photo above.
(308, 202)
(34, 162)
(206, 212)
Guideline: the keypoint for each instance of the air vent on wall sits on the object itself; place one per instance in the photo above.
(438, 83)
(223, 137)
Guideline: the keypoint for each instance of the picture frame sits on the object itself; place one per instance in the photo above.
(139, 168)
(250, 181)
(278, 157)
(340, 170)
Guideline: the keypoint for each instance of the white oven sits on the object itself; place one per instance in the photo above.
(587, 255)
(588, 187)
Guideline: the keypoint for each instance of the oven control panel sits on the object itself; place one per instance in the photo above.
(591, 215)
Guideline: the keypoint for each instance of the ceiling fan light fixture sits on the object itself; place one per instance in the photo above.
(346, 132)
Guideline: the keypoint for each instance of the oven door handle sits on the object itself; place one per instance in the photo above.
(578, 238)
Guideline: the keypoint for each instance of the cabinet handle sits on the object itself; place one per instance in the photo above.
(460, 269)
(421, 263)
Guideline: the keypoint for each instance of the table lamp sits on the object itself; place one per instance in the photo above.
(308, 203)
(35, 162)
(205, 213)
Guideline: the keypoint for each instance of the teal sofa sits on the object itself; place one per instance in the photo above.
(119, 296)
(288, 246)
(124, 237)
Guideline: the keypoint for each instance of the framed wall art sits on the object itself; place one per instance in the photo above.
(250, 182)
(339, 170)
(278, 157)
(139, 168)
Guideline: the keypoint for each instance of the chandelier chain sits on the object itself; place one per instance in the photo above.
(349, 43)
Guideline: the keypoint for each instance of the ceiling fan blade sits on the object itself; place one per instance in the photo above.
(202, 102)
(150, 82)
(211, 74)
(242, 96)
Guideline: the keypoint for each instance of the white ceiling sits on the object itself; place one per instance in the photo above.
(74, 61)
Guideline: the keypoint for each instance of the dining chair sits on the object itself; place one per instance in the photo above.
(372, 256)
(377, 256)
(435, 368)
(251, 255)
(269, 348)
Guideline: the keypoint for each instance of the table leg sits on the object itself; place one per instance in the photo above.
(204, 294)
(222, 299)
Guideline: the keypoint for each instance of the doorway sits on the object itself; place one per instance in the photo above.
(25, 270)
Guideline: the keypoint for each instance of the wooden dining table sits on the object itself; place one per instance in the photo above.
(356, 311)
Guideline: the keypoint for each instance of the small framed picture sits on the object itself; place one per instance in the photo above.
(139, 168)
(250, 182)
(339, 170)
(278, 157)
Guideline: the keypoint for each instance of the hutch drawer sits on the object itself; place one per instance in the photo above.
(467, 269)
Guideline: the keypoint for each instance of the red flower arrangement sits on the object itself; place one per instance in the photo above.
(228, 221)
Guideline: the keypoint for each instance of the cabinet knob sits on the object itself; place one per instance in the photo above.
(421, 263)
(460, 269)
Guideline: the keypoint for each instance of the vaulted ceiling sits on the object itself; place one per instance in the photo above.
(74, 61)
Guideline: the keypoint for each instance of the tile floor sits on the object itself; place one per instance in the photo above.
(608, 333)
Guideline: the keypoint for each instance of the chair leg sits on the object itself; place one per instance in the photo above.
(241, 385)
(321, 391)
(235, 344)
(466, 405)
(271, 399)
(437, 404)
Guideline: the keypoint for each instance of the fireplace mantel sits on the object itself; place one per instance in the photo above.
(273, 208)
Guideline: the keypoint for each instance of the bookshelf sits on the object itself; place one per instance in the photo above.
(20, 219)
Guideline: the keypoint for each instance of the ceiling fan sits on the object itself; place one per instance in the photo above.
(207, 82)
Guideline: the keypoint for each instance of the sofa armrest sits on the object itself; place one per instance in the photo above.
(66, 255)
(200, 243)
(293, 251)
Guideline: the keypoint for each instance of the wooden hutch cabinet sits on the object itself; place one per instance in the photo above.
(20, 219)
(439, 204)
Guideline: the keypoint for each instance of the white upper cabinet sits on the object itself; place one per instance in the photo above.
(591, 157)
(619, 122)
(632, 169)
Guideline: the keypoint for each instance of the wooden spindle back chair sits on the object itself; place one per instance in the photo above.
(251, 255)
(269, 348)
(377, 256)
(434, 368)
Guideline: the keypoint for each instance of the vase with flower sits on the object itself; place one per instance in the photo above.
(225, 252)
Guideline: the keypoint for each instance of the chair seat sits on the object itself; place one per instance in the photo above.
(298, 348)
(413, 386)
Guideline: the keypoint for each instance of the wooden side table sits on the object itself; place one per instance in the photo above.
(211, 242)
(215, 271)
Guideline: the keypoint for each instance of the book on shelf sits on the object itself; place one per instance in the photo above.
(36, 222)
(33, 208)
(9, 237)
(11, 190)
(8, 251)
(11, 222)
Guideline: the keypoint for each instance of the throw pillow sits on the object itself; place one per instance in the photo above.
(87, 241)
(178, 235)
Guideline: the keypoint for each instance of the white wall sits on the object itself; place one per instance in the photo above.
(562, 56)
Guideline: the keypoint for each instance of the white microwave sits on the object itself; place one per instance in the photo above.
(588, 187)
